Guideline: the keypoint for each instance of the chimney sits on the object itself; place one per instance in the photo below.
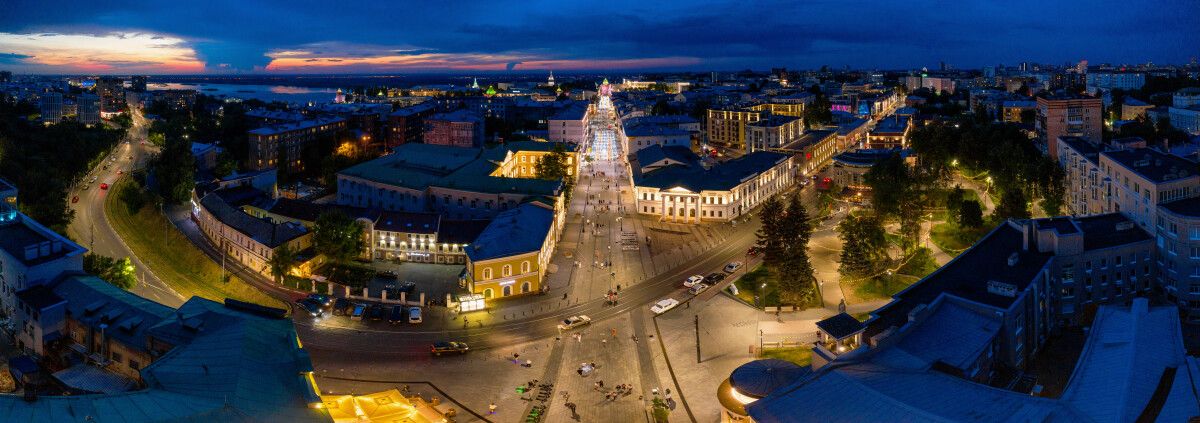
(1012, 259)
(31, 252)
(44, 248)
(56, 246)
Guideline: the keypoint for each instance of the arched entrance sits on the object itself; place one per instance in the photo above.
(507, 291)
(487, 293)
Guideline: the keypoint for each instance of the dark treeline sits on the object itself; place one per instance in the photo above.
(43, 161)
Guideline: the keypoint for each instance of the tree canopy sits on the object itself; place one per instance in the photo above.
(337, 236)
(119, 272)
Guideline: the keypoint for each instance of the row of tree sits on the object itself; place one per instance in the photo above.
(783, 242)
(44, 161)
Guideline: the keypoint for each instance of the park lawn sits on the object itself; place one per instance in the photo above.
(802, 356)
(877, 288)
(750, 285)
(177, 262)
(953, 239)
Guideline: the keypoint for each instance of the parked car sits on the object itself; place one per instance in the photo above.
(752, 251)
(377, 312)
(664, 305)
(693, 280)
(441, 347)
(75, 199)
(698, 288)
(574, 322)
(386, 274)
(732, 267)
(713, 278)
(85, 187)
(321, 300)
(414, 314)
(407, 287)
(339, 306)
(311, 308)
(359, 310)
(397, 315)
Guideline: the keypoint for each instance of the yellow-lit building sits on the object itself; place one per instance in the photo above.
(788, 109)
(727, 127)
(522, 158)
(510, 256)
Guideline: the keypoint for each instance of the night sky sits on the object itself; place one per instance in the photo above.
(288, 37)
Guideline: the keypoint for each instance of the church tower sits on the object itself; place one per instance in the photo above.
(551, 81)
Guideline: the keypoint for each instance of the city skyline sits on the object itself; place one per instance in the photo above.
(283, 38)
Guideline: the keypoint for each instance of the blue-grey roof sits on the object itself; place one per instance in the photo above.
(1100, 231)
(288, 127)
(672, 153)
(573, 112)
(411, 110)
(1152, 164)
(653, 131)
(722, 177)
(460, 115)
(266, 233)
(420, 166)
(15, 237)
(761, 377)
(809, 138)
(863, 157)
(663, 120)
(518, 231)
(128, 316)
(1129, 352)
(848, 127)
(841, 325)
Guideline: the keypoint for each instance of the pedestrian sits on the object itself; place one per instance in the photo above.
(580, 371)
(603, 342)
(516, 358)
(689, 304)
(608, 396)
(565, 294)
(618, 290)
(635, 340)
(600, 382)
(566, 397)
(597, 384)
(405, 388)
(614, 329)
(668, 395)
(492, 408)
(528, 363)
(594, 366)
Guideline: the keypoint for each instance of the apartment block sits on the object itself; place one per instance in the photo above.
(456, 129)
(271, 144)
(1068, 115)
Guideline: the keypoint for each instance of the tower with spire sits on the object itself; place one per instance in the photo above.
(550, 82)
(475, 83)
(339, 98)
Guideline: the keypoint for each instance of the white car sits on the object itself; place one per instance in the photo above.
(732, 267)
(574, 321)
(664, 305)
(693, 280)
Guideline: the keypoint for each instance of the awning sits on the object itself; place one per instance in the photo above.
(86, 379)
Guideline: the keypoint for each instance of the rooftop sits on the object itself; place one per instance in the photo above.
(773, 120)
(266, 233)
(518, 231)
(297, 126)
(722, 177)
(1154, 165)
(809, 138)
(408, 222)
(300, 210)
(864, 157)
(968, 275)
(460, 115)
(1101, 231)
(1087, 148)
(653, 131)
(411, 110)
(841, 326)
(16, 238)
(452, 231)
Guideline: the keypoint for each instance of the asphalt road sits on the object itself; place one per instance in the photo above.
(91, 227)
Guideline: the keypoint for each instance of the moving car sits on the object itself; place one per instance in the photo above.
(103, 186)
(321, 300)
(397, 315)
(574, 321)
(752, 251)
(119, 171)
(85, 187)
(713, 278)
(311, 308)
(75, 199)
(732, 267)
(698, 288)
(664, 305)
(440, 347)
(359, 310)
(414, 315)
(94, 178)
(695, 279)
(377, 312)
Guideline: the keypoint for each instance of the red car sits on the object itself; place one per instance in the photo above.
(103, 186)
(75, 199)
(119, 171)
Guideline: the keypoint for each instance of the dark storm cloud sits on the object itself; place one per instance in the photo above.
(13, 58)
(236, 34)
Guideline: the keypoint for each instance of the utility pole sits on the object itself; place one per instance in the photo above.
(697, 338)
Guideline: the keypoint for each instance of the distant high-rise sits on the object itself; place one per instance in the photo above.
(137, 83)
(1024, 67)
(1070, 115)
(1081, 67)
(52, 108)
(88, 109)
(942, 66)
(989, 71)
(112, 94)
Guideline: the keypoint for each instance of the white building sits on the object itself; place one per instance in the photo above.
(88, 108)
(1186, 118)
(637, 137)
(1113, 80)
(669, 182)
(52, 108)
(570, 125)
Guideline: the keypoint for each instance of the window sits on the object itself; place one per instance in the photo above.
(487, 273)
(1103, 263)
(116, 356)
(525, 266)
(1068, 273)
(1174, 228)
(1194, 252)
(506, 270)
(1068, 292)
(1118, 261)
(133, 364)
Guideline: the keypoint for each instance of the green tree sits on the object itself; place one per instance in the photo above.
(899, 192)
(114, 271)
(175, 169)
(864, 245)
(132, 196)
(553, 167)
(954, 202)
(770, 235)
(818, 112)
(660, 410)
(123, 119)
(971, 214)
(337, 236)
(1028, 115)
(1013, 204)
(1051, 186)
(662, 107)
(282, 260)
(797, 278)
